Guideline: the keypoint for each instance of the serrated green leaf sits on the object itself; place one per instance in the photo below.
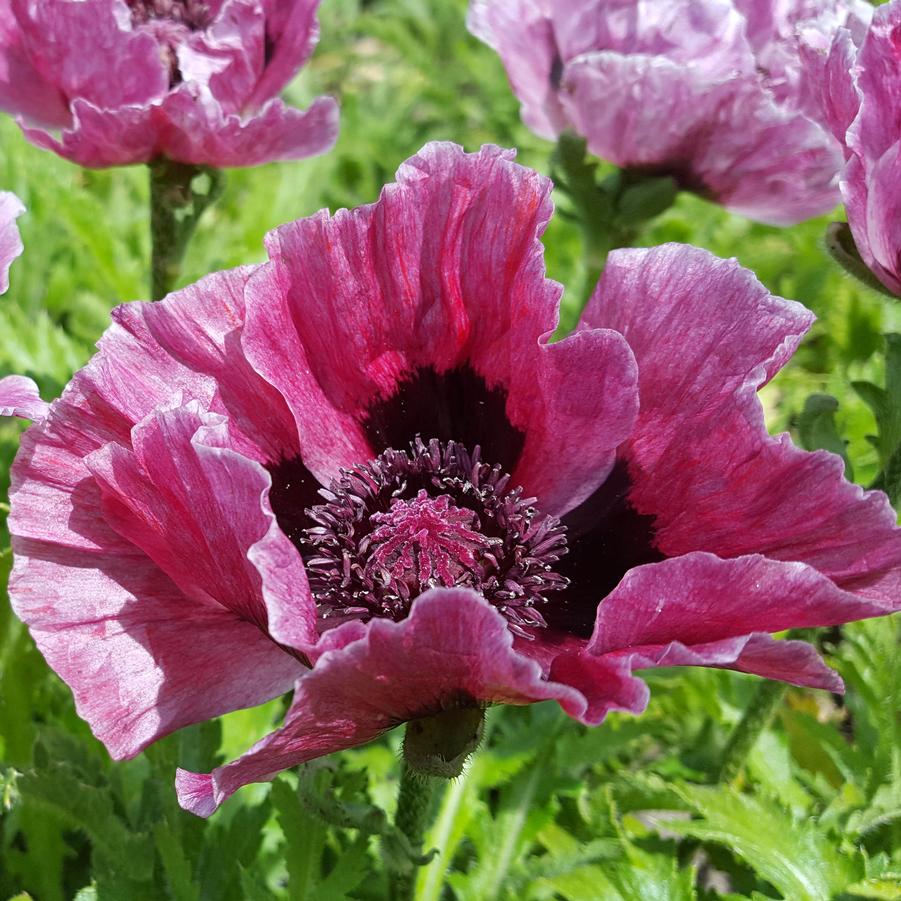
(882, 888)
(818, 431)
(56, 786)
(799, 860)
(177, 867)
(252, 889)
(353, 866)
(651, 877)
(304, 841)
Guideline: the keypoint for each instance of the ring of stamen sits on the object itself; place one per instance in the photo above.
(432, 516)
(193, 14)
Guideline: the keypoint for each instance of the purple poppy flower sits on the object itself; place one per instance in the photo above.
(10, 241)
(711, 92)
(860, 84)
(18, 395)
(126, 81)
(363, 470)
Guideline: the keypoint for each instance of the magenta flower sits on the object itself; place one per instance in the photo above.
(127, 81)
(18, 395)
(711, 92)
(861, 100)
(363, 470)
(10, 241)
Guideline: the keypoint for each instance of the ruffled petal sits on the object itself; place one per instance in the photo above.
(706, 36)
(709, 91)
(428, 313)
(23, 90)
(227, 57)
(196, 508)
(191, 127)
(113, 65)
(700, 598)
(98, 138)
(608, 681)
(141, 658)
(199, 330)
(195, 129)
(876, 221)
(292, 33)
(723, 139)
(706, 335)
(782, 34)
(453, 649)
(643, 111)
(701, 610)
(522, 33)
(19, 396)
(781, 169)
(830, 73)
(758, 654)
(878, 125)
(10, 240)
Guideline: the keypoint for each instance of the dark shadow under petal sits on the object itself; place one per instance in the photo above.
(294, 490)
(457, 405)
(607, 537)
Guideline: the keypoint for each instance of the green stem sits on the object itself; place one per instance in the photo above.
(446, 834)
(177, 201)
(414, 805)
(757, 716)
(611, 212)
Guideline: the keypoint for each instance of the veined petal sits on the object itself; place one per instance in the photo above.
(19, 396)
(711, 92)
(141, 658)
(196, 83)
(195, 129)
(196, 508)
(706, 336)
(700, 598)
(427, 314)
(114, 66)
(453, 650)
(23, 90)
(292, 32)
(10, 241)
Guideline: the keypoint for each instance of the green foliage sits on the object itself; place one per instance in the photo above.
(547, 809)
(817, 429)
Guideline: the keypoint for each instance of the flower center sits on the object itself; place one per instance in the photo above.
(424, 541)
(193, 14)
(170, 22)
(433, 516)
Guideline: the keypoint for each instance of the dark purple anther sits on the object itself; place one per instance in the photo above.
(433, 516)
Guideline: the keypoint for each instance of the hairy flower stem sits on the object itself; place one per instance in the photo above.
(179, 194)
(414, 805)
(757, 716)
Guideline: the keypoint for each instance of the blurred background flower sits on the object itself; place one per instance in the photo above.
(859, 91)
(110, 82)
(710, 92)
